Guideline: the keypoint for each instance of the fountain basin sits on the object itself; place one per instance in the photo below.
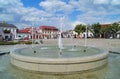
(25, 58)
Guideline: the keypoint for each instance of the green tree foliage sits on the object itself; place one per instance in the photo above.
(80, 28)
(114, 27)
(105, 31)
(96, 29)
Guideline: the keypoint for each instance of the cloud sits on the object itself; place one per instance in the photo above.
(101, 1)
(97, 10)
(10, 3)
(76, 23)
(115, 2)
(56, 6)
(5, 17)
(8, 7)
(13, 11)
(88, 11)
(110, 2)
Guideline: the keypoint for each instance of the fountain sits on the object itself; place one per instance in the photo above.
(48, 60)
(58, 59)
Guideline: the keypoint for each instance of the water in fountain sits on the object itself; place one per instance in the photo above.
(60, 43)
(60, 38)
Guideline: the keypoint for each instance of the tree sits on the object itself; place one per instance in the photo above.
(115, 27)
(105, 32)
(96, 29)
(111, 30)
(80, 28)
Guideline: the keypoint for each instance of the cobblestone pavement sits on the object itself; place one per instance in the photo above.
(109, 71)
(110, 44)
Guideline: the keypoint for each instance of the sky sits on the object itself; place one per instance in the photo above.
(63, 14)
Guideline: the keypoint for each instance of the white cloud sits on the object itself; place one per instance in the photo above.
(101, 1)
(5, 17)
(104, 11)
(10, 2)
(112, 2)
(13, 11)
(97, 10)
(6, 7)
(115, 2)
(76, 23)
(56, 6)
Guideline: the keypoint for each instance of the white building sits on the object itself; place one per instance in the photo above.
(48, 32)
(8, 31)
(23, 34)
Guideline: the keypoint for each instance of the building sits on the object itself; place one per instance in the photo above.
(29, 32)
(69, 34)
(41, 32)
(23, 34)
(48, 32)
(8, 31)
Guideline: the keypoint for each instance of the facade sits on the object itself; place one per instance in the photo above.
(88, 34)
(48, 32)
(8, 31)
(118, 34)
(73, 34)
(29, 33)
(23, 34)
(69, 34)
(41, 32)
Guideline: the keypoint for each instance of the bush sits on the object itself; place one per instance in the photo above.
(13, 43)
(7, 43)
(28, 42)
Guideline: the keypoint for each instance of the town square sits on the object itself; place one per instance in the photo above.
(59, 39)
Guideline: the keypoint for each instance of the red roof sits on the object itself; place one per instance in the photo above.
(23, 31)
(48, 28)
(26, 30)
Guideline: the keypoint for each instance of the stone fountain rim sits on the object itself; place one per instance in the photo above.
(84, 59)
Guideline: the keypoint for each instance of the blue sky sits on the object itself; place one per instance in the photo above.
(26, 13)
